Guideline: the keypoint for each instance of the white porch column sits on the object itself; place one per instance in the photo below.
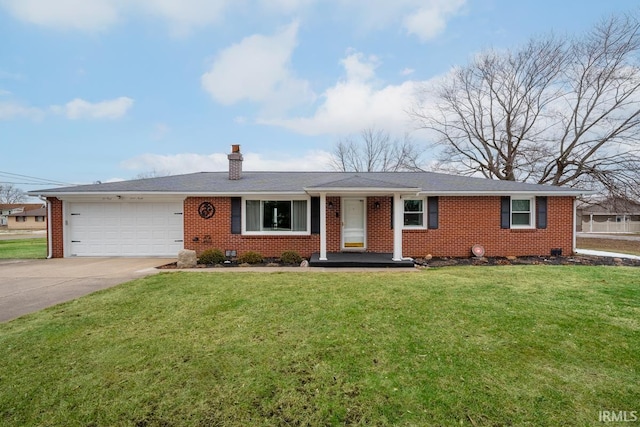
(575, 225)
(398, 222)
(323, 227)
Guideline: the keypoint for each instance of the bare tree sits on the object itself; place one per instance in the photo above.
(11, 195)
(374, 150)
(152, 174)
(560, 112)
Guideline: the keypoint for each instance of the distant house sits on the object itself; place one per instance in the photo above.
(34, 219)
(402, 214)
(8, 209)
(608, 216)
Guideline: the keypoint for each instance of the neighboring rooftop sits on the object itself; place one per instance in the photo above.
(25, 206)
(32, 212)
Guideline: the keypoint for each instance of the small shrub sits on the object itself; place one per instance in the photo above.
(290, 257)
(211, 256)
(250, 258)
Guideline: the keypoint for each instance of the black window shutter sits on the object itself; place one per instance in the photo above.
(315, 215)
(505, 212)
(541, 212)
(432, 209)
(391, 198)
(236, 215)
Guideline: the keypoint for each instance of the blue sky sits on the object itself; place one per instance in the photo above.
(108, 89)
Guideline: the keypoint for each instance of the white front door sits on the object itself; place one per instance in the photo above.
(354, 224)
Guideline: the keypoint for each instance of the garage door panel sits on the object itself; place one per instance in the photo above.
(125, 229)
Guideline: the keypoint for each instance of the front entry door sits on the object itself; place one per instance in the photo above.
(353, 224)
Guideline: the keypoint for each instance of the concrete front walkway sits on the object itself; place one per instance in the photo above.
(27, 286)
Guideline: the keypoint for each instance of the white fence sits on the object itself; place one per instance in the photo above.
(609, 226)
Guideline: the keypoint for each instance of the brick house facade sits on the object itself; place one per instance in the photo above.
(404, 214)
(454, 236)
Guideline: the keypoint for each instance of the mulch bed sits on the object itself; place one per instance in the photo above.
(449, 262)
(530, 260)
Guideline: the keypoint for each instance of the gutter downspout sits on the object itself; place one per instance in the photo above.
(49, 243)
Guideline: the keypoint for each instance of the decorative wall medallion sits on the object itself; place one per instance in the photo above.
(206, 210)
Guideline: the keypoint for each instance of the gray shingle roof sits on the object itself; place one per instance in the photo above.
(205, 183)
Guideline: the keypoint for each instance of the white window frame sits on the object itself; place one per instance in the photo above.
(279, 198)
(532, 212)
(424, 214)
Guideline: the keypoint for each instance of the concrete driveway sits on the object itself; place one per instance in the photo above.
(27, 286)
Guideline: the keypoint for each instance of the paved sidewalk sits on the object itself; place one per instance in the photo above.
(632, 237)
(31, 285)
(607, 254)
(295, 270)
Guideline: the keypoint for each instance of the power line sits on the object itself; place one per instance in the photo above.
(32, 179)
(27, 183)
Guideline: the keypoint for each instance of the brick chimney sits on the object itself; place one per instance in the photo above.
(235, 162)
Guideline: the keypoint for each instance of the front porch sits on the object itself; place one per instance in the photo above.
(359, 259)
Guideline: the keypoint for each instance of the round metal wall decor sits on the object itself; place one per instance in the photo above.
(206, 210)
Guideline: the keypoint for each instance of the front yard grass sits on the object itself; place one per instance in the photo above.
(489, 346)
(23, 248)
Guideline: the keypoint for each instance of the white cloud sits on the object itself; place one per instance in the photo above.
(407, 71)
(285, 6)
(12, 110)
(430, 20)
(81, 109)
(422, 18)
(190, 162)
(75, 109)
(258, 69)
(86, 15)
(356, 102)
(184, 15)
(97, 15)
(358, 67)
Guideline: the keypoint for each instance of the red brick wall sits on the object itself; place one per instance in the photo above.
(463, 222)
(57, 221)
(379, 231)
(216, 233)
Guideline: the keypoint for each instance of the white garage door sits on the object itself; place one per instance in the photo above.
(125, 229)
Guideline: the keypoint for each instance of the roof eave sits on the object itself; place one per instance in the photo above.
(573, 193)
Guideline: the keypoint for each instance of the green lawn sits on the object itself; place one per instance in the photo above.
(23, 248)
(473, 346)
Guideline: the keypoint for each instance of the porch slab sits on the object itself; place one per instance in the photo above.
(358, 259)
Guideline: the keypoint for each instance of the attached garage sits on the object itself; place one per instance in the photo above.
(120, 228)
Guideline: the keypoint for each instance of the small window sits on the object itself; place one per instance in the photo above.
(21, 219)
(521, 213)
(414, 213)
(39, 219)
